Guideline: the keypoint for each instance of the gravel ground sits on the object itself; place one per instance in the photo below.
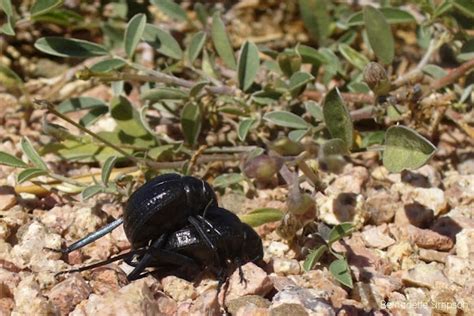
(412, 253)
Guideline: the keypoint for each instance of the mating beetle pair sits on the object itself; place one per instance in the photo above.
(175, 221)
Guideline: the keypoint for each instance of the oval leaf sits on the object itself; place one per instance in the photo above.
(316, 18)
(162, 41)
(12, 161)
(286, 119)
(89, 192)
(261, 216)
(127, 117)
(405, 149)
(337, 118)
(30, 173)
(226, 180)
(341, 272)
(244, 127)
(191, 123)
(340, 231)
(313, 257)
(107, 169)
(380, 34)
(108, 65)
(133, 33)
(78, 104)
(221, 41)
(298, 82)
(32, 154)
(171, 9)
(466, 7)
(355, 58)
(315, 110)
(195, 46)
(44, 6)
(164, 93)
(392, 15)
(249, 61)
(65, 47)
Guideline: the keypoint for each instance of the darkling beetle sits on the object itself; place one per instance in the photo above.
(164, 204)
(170, 206)
(236, 242)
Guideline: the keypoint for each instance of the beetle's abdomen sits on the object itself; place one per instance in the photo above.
(155, 208)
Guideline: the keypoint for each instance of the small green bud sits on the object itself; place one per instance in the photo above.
(286, 147)
(376, 78)
(263, 168)
(289, 62)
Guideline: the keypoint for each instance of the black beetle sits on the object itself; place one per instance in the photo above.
(166, 203)
(236, 242)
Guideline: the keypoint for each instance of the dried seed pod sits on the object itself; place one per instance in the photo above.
(376, 78)
(263, 168)
(286, 147)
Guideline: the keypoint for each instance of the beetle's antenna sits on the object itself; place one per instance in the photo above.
(104, 262)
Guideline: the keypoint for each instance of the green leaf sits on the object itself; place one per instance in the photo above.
(340, 231)
(44, 6)
(310, 55)
(405, 149)
(315, 110)
(164, 93)
(466, 7)
(228, 179)
(316, 18)
(337, 118)
(32, 154)
(89, 192)
(298, 134)
(171, 9)
(80, 103)
(286, 119)
(379, 34)
(66, 47)
(93, 115)
(8, 27)
(108, 65)
(434, 71)
(289, 62)
(6, 6)
(9, 78)
(372, 138)
(195, 46)
(10, 160)
(244, 126)
(334, 147)
(162, 41)
(261, 216)
(298, 82)
(467, 51)
(127, 117)
(29, 174)
(354, 57)
(313, 257)
(191, 122)
(221, 42)
(341, 272)
(133, 33)
(249, 61)
(392, 15)
(107, 169)
(198, 86)
(63, 17)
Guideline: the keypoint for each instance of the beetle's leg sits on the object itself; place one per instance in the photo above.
(238, 261)
(195, 222)
(104, 262)
(165, 256)
(91, 237)
(209, 224)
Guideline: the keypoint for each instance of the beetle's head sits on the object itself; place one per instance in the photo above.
(200, 195)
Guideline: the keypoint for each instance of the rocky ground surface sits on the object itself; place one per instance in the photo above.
(413, 254)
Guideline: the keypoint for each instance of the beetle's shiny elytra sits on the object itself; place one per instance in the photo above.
(164, 204)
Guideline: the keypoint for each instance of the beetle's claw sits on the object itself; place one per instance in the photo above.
(242, 276)
(55, 250)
